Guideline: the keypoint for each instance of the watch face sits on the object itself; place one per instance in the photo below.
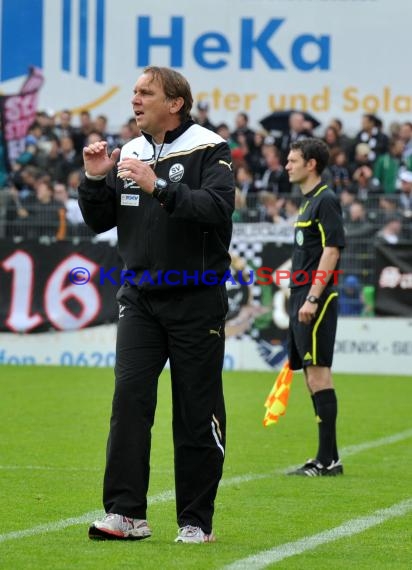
(160, 184)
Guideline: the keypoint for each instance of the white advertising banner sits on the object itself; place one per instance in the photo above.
(369, 346)
(332, 58)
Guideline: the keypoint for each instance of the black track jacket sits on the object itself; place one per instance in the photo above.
(191, 232)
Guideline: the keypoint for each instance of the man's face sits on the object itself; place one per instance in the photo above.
(405, 132)
(367, 123)
(357, 212)
(150, 105)
(296, 122)
(406, 187)
(297, 167)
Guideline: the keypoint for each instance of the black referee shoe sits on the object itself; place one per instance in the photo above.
(314, 468)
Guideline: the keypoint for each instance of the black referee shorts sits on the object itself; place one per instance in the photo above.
(312, 344)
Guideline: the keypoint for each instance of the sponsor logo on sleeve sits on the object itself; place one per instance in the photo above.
(129, 200)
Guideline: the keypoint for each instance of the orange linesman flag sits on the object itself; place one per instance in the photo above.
(278, 397)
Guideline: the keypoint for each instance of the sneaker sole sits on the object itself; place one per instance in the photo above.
(210, 538)
(334, 473)
(99, 534)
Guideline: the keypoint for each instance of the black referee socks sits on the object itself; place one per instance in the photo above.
(326, 408)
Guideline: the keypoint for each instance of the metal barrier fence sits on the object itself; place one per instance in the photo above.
(377, 218)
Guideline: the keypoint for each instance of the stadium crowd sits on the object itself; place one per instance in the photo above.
(371, 172)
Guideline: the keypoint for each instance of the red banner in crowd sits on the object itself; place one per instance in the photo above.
(57, 286)
(17, 113)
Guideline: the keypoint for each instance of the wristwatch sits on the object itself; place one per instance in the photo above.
(312, 299)
(160, 190)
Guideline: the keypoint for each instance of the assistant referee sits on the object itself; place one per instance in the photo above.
(319, 237)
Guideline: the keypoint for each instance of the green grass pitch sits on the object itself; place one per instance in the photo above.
(53, 429)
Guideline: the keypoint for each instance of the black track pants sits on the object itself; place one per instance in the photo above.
(186, 326)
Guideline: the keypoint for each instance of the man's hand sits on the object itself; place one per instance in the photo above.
(307, 312)
(140, 172)
(97, 162)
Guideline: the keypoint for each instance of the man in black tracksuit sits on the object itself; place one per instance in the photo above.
(319, 237)
(170, 192)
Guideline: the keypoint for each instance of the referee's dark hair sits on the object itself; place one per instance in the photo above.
(313, 148)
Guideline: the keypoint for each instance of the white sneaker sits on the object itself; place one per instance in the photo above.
(194, 534)
(118, 527)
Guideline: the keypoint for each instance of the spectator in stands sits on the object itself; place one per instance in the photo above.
(331, 138)
(405, 134)
(358, 225)
(4, 175)
(81, 133)
(274, 178)
(309, 127)
(125, 135)
(240, 212)
(361, 158)
(136, 132)
(48, 157)
(371, 134)
(291, 209)
(223, 130)
(73, 212)
(15, 214)
(350, 297)
(37, 214)
(363, 183)
(358, 254)
(245, 183)
(202, 117)
(46, 121)
(340, 178)
(405, 198)
(368, 300)
(63, 124)
(30, 153)
(100, 126)
(387, 167)
(254, 156)
(68, 161)
(25, 180)
(72, 183)
(388, 206)
(242, 128)
(47, 217)
(251, 212)
(344, 141)
(391, 230)
(273, 207)
(295, 132)
(75, 223)
(92, 137)
(347, 197)
(394, 130)
(47, 141)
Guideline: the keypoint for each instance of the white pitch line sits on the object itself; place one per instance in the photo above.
(46, 468)
(66, 469)
(395, 438)
(163, 497)
(170, 495)
(349, 528)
